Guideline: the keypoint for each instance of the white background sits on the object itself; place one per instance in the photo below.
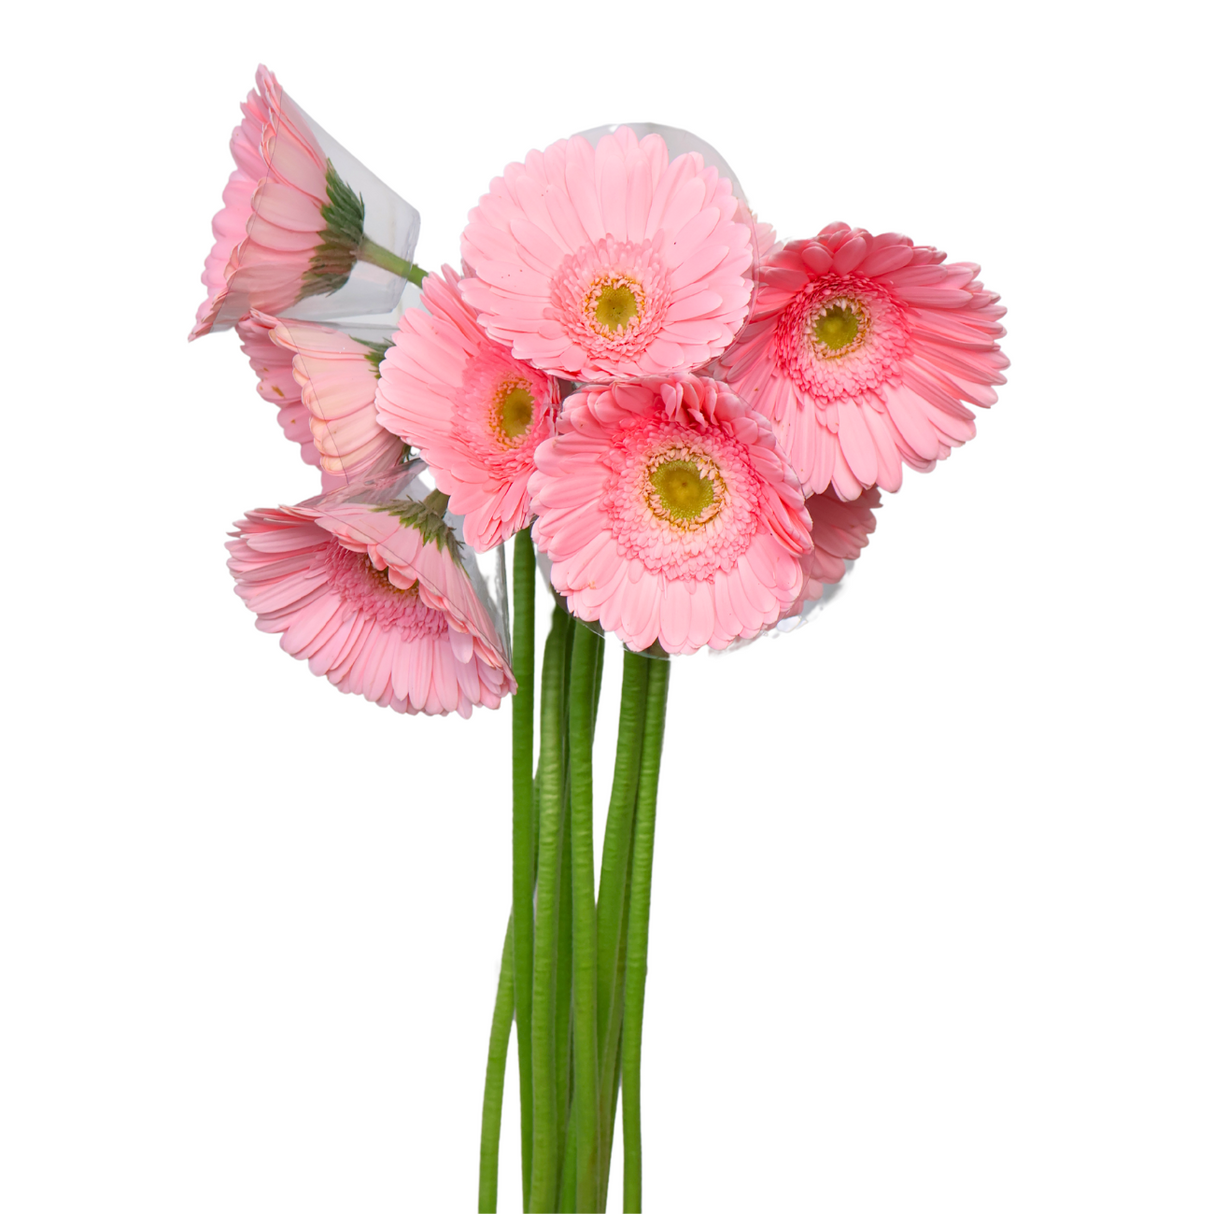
(932, 915)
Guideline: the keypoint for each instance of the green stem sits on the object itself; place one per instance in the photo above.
(611, 1094)
(564, 934)
(613, 889)
(523, 726)
(600, 656)
(495, 1077)
(545, 1161)
(638, 929)
(568, 1199)
(586, 647)
(564, 965)
(377, 255)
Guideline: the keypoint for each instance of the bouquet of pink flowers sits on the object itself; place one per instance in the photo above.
(690, 422)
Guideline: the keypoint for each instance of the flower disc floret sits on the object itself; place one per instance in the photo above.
(379, 595)
(612, 260)
(864, 351)
(475, 413)
(841, 337)
(670, 514)
(685, 501)
(611, 299)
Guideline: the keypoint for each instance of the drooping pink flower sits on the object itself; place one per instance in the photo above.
(337, 376)
(291, 227)
(272, 365)
(376, 599)
(841, 530)
(670, 514)
(605, 261)
(863, 351)
(323, 382)
(475, 413)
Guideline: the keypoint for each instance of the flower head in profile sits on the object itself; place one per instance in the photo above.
(612, 260)
(323, 381)
(336, 376)
(475, 413)
(291, 227)
(863, 350)
(273, 366)
(670, 514)
(841, 531)
(375, 598)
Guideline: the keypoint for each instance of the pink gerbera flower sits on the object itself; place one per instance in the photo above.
(862, 350)
(841, 531)
(291, 227)
(596, 262)
(334, 376)
(376, 599)
(670, 514)
(475, 413)
(276, 383)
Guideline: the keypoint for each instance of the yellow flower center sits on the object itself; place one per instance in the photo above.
(614, 305)
(381, 576)
(617, 306)
(838, 328)
(682, 492)
(515, 409)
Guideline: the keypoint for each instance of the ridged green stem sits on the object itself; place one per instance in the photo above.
(523, 884)
(601, 653)
(586, 652)
(612, 905)
(495, 1077)
(545, 1161)
(611, 1096)
(564, 933)
(377, 255)
(567, 1204)
(564, 963)
(637, 948)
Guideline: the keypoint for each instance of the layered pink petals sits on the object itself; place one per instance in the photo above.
(670, 514)
(841, 531)
(595, 262)
(273, 366)
(372, 605)
(270, 225)
(323, 382)
(337, 376)
(475, 413)
(865, 351)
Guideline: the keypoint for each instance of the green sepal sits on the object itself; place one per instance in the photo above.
(425, 516)
(334, 258)
(376, 352)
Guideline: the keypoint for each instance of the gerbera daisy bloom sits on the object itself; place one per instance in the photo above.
(862, 350)
(292, 227)
(605, 261)
(273, 367)
(670, 514)
(376, 599)
(334, 376)
(764, 236)
(475, 413)
(841, 531)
